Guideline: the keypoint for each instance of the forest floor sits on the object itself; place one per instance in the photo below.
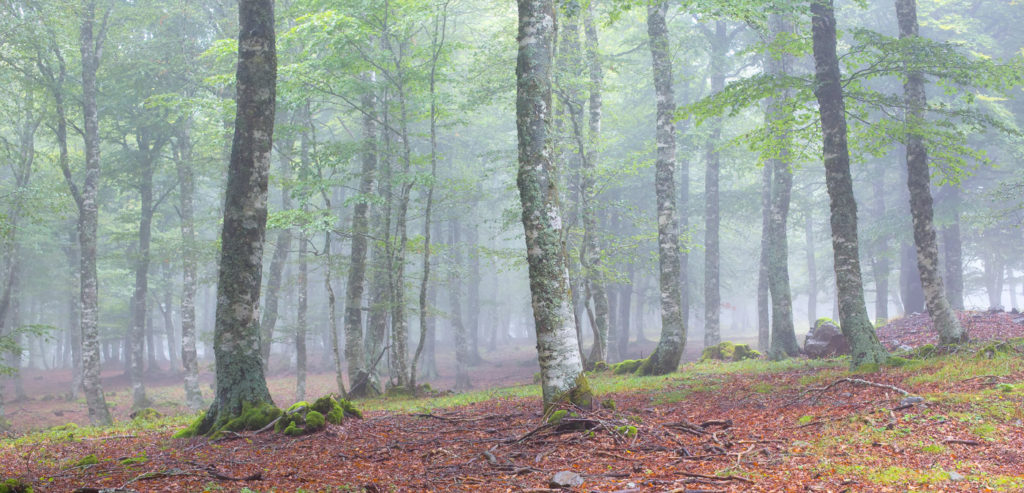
(797, 425)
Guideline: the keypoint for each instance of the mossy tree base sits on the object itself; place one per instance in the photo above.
(299, 419)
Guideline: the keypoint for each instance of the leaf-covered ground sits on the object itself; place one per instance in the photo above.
(747, 426)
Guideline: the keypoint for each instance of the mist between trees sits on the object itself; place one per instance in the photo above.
(450, 180)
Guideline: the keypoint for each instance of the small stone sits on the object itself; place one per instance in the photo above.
(955, 476)
(846, 395)
(565, 479)
(911, 400)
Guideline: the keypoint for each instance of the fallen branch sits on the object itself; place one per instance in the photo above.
(958, 441)
(855, 381)
(715, 478)
(223, 477)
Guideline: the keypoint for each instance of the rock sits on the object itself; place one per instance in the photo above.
(845, 395)
(565, 479)
(825, 340)
(955, 476)
(728, 351)
(910, 400)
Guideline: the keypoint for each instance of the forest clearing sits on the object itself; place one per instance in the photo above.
(753, 425)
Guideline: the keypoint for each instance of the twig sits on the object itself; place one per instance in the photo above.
(962, 442)
(856, 381)
(716, 478)
(112, 437)
(223, 477)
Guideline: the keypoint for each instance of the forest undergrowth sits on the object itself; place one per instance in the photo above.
(928, 420)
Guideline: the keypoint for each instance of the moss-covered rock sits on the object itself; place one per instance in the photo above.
(146, 414)
(557, 416)
(15, 486)
(601, 366)
(628, 366)
(728, 351)
(303, 418)
(89, 460)
(314, 422)
(994, 349)
(252, 418)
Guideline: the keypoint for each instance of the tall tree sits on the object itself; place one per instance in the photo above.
(764, 327)
(91, 45)
(183, 159)
(953, 252)
(355, 356)
(236, 346)
(561, 365)
(462, 349)
(783, 336)
(665, 358)
(719, 40)
(853, 315)
(919, 184)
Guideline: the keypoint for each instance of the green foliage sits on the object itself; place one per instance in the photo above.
(608, 404)
(146, 414)
(89, 460)
(15, 486)
(556, 417)
(628, 431)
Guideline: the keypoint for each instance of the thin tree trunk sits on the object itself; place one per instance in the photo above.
(462, 349)
(359, 383)
(91, 47)
(712, 215)
(168, 318)
(473, 291)
(763, 305)
(302, 311)
(236, 345)
(783, 336)
(666, 356)
(911, 292)
(919, 183)
(148, 151)
(561, 365)
(812, 268)
(189, 277)
(853, 316)
(880, 259)
(953, 250)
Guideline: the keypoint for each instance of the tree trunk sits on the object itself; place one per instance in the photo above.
(462, 349)
(880, 259)
(473, 291)
(911, 292)
(148, 151)
(236, 345)
(763, 308)
(282, 247)
(812, 268)
(712, 215)
(301, 313)
(666, 356)
(919, 183)
(783, 336)
(189, 277)
(91, 48)
(561, 365)
(168, 318)
(354, 349)
(952, 248)
(853, 315)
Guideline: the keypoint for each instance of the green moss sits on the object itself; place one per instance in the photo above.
(896, 361)
(134, 460)
(314, 422)
(994, 349)
(15, 486)
(866, 368)
(89, 460)
(581, 394)
(557, 416)
(292, 430)
(193, 428)
(728, 351)
(146, 414)
(297, 406)
(65, 427)
(608, 404)
(628, 431)
(628, 366)
(926, 351)
(601, 366)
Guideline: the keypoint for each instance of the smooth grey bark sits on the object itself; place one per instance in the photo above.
(355, 355)
(74, 316)
(624, 305)
(167, 312)
(764, 326)
(437, 43)
(919, 184)
(236, 343)
(783, 340)
(880, 250)
(282, 247)
(183, 158)
(561, 365)
(462, 342)
(911, 291)
(812, 268)
(712, 211)
(473, 289)
(91, 46)
(148, 151)
(953, 253)
(666, 356)
(853, 316)
(592, 246)
(301, 313)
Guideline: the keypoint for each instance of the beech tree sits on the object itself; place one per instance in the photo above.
(240, 380)
(561, 366)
